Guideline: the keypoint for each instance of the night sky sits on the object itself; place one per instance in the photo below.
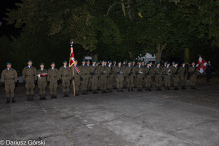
(7, 29)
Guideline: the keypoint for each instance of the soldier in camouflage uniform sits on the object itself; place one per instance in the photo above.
(76, 78)
(89, 69)
(120, 77)
(98, 75)
(128, 75)
(110, 77)
(103, 76)
(8, 78)
(147, 76)
(124, 81)
(172, 76)
(167, 75)
(42, 81)
(158, 76)
(183, 75)
(175, 74)
(152, 70)
(83, 77)
(29, 75)
(53, 78)
(193, 75)
(164, 65)
(133, 74)
(139, 73)
(114, 74)
(65, 74)
(94, 76)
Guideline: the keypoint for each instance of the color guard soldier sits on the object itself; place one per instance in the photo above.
(120, 77)
(148, 76)
(183, 75)
(110, 76)
(83, 77)
(76, 79)
(175, 73)
(140, 75)
(42, 81)
(158, 75)
(167, 76)
(114, 73)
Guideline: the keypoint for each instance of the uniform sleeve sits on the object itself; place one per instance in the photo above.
(48, 77)
(15, 75)
(2, 77)
(71, 72)
(24, 74)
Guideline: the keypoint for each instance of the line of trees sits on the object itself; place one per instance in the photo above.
(119, 30)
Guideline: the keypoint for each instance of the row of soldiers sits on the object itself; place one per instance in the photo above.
(96, 77)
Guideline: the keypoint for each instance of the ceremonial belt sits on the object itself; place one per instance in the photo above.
(9, 78)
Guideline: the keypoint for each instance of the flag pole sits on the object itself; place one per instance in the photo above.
(73, 70)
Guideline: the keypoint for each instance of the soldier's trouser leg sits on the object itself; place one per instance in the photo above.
(157, 81)
(84, 84)
(128, 80)
(193, 79)
(65, 85)
(94, 81)
(114, 81)
(121, 82)
(9, 88)
(183, 80)
(139, 81)
(176, 81)
(110, 82)
(42, 87)
(53, 88)
(29, 87)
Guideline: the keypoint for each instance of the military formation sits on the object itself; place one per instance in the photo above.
(98, 77)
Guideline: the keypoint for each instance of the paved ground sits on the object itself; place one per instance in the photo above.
(153, 118)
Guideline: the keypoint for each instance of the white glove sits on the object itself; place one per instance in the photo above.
(197, 65)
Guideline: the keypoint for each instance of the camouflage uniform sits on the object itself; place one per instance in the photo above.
(120, 78)
(84, 76)
(29, 75)
(193, 76)
(175, 74)
(65, 74)
(103, 78)
(42, 83)
(110, 78)
(148, 77)
(158, 77)
(114, 74)
(89, 82)
(9, 77)
(129, 77)
(94, 77)
(53, 78)
(183, 76)
(167, 76)
(140, 75)
(172, 76)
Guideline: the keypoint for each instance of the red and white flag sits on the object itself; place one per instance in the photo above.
(71, 60)
(202, 64)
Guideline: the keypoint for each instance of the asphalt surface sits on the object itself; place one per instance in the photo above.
(113, 119)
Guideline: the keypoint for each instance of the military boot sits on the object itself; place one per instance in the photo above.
(121, 90)
(118, 90)
(13, 100)
(41, 97)
(44, 97)
(146, 89)
(177, 88)
(85, 93)
(149, 89)
(8, 100)
(28, 97)
(32, 97)
(132, 89)
(94, 92)
(129, 89)
(67, 94)
(54, 96)
(168, 87)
